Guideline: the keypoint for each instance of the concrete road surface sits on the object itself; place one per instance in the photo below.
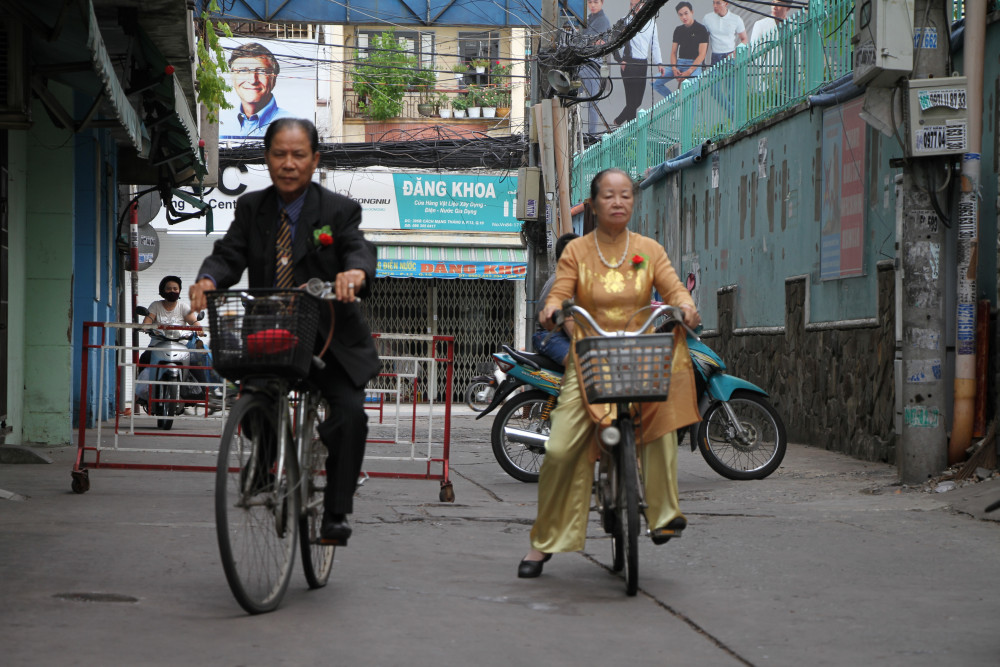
(827, 562)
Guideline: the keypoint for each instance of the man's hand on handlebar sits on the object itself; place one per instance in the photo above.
(196, 293)
(348, 284)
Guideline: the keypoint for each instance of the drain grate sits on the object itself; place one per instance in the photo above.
(95, 597)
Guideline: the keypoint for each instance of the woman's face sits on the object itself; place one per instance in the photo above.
(613, 205)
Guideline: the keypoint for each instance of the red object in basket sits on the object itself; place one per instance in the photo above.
(271, 341)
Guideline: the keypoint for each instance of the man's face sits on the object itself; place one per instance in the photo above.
(779, 12)
(633, 3)
(687, 18)
(594, 6)
(291, 162)
(720, 7)
(254, 80)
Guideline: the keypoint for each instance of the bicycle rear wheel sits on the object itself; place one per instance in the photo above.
(317, 559)
(628, 504)
(256, 506)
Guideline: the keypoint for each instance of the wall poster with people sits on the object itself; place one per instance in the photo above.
(682, 41)
(843, 205)
(270, 79)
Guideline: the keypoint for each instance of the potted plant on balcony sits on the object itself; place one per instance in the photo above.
(503, 102)
(480, 64)
(475, 101)
(442, 104)
(460, 69)
(381, 76)
(489, 98)
(458, 106)
(423, 82)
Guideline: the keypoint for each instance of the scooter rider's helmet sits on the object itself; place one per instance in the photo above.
(169, 279)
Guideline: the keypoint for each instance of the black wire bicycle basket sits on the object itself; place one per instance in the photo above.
(262, 332)
(623, 369)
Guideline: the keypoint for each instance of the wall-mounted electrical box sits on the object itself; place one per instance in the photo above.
(936, 116)
(883, 41)
(529, 194)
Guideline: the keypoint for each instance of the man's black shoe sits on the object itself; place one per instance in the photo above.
(335, 530)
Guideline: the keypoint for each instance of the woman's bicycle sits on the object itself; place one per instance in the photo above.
(623, 368)
(271, 470)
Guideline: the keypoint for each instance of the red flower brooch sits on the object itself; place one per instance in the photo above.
(323, 236)
(638, 261)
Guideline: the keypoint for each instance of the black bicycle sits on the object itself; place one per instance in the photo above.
(623, 368)
(270, 475)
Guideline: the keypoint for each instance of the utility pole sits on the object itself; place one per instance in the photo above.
(923, 449)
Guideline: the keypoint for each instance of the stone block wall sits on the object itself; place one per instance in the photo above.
(833, 387)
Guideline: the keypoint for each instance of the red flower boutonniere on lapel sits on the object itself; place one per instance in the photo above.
(322, 237)
(638, 261)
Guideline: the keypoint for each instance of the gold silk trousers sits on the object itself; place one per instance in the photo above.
(566, 478)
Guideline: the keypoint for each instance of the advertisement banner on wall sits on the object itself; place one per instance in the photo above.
(389, 201)
(843, 209)
(432, 202)
(652, 58)
(270, 79)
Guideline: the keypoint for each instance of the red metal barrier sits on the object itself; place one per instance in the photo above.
(397, 429)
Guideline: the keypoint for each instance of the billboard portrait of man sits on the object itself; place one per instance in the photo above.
(261, 93)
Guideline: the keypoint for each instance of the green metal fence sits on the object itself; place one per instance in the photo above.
(809, 49)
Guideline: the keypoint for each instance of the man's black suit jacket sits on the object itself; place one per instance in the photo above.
(250, 244)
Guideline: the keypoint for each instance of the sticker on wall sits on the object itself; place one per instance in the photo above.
(715, 171)
(762, 157)
(922, 371)
(921, 416)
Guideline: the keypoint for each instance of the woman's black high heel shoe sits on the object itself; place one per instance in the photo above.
(529, 569)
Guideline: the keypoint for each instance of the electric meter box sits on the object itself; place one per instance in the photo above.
(936, 116)
(884, 41)
(529, 199)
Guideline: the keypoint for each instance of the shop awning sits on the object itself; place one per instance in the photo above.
(451, 262)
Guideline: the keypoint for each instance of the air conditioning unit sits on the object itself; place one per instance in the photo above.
(15, 88)
(529, 204)
(884, 41)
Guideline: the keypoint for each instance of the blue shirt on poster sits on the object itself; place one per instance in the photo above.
(256, 125)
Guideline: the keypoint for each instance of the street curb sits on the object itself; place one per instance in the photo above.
(19, 454)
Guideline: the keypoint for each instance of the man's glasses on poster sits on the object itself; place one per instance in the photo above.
(258, 71)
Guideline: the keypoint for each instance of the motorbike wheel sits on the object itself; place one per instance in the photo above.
(479, 394)
(523, 412)
(758, 453)
(164, 405)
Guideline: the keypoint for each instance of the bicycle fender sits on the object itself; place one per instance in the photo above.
(722, 386)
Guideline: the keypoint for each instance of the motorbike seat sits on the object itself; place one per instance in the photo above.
(540, 359)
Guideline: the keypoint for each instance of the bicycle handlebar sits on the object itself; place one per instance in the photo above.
(570, 308)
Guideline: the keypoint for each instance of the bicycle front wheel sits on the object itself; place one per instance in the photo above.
(628, 504)
(317, 559)
(256, 505)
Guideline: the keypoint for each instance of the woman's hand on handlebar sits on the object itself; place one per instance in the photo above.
(691, 317)
(545, 317)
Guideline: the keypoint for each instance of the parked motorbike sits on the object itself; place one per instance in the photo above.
(741, 436)
(480, 391)
(166, 360)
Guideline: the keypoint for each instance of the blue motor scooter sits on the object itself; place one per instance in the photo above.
(741, 436)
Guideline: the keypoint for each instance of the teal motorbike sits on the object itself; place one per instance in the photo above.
(740, 435)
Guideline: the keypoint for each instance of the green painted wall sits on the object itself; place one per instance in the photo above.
(48, 280)
(17, 203)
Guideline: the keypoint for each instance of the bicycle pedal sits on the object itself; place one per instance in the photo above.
(330, 542)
